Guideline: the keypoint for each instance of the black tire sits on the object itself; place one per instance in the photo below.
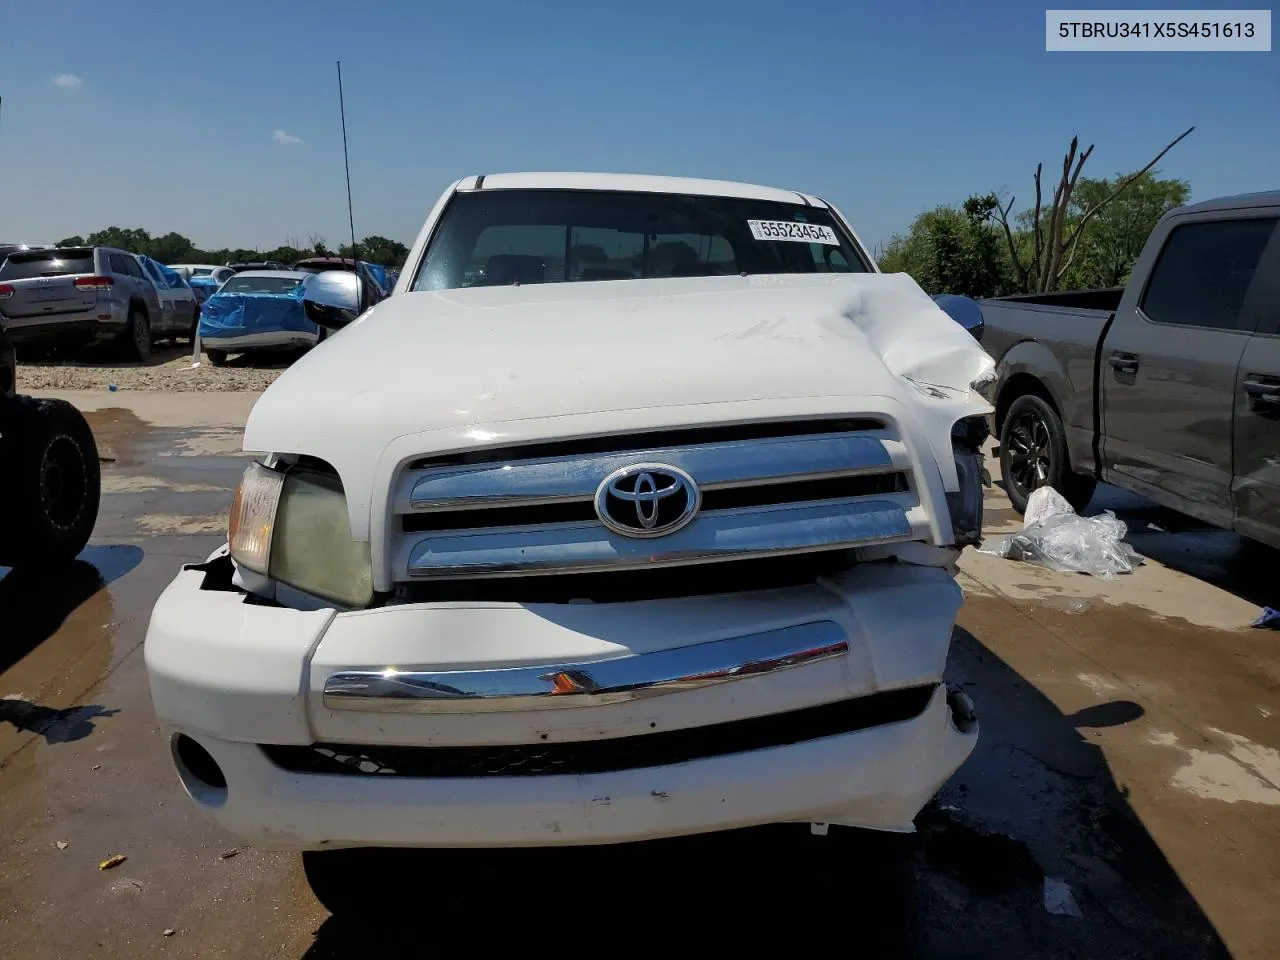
(216, 357)
(138, 338)
(1033, 453)
(360, 882)
(194, 329)
(50, 482)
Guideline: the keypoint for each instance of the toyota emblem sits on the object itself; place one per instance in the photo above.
(647, 500)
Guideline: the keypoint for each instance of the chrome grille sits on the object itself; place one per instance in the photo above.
(529, 512)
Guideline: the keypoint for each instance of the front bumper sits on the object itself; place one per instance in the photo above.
(263, 340)
(237, 678)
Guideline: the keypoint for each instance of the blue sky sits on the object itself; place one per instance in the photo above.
(164, 116)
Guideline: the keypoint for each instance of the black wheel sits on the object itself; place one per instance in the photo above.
(216, 357)
(1033, 453)
(137, 338)
(50, 482)
(362, 882)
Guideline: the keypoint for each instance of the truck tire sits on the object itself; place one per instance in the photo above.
(50, 481)
(1033, 453)
(138, 337)
(216, 357)
(360, 882)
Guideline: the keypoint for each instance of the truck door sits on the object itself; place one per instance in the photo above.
(1170, 360)
(1256, 485)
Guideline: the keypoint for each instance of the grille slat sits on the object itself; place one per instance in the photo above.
(766, 490)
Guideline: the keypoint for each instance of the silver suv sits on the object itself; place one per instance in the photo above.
(85, 294)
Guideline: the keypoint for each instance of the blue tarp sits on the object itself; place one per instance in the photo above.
(204, 287)
(380, 274)
(226, 315)
(173, 279)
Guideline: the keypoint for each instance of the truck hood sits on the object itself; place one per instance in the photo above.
(448, 370)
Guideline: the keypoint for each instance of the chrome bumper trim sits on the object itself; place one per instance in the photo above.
(556, 685)
(732, 464)
(714, 536)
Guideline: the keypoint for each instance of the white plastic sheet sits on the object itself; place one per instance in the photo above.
(1055, 536)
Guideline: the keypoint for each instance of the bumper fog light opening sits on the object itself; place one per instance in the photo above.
(199, 771)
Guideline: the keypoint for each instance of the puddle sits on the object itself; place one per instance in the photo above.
(1247, 772)
(122, 483)
(166, 523)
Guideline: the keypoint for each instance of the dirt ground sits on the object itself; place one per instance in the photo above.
(1124, 799)
(170, 369)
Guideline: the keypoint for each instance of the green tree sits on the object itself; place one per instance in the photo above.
(1112, 240)
(136, 240)
(287, 254)
(379, 250)
(73, 241)
(172, 248)
(1042, 265)
(950, 250)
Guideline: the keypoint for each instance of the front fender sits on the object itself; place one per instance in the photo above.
(1030, 358)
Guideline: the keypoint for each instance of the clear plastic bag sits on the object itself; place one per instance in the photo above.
(1055, 536)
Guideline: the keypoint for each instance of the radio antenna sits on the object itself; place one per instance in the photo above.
(342, 111)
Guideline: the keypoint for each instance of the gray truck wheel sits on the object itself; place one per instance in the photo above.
(1033, 453)
(50, 482)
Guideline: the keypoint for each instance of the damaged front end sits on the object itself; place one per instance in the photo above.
(965, 503)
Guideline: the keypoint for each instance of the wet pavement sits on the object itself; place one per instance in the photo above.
(1124, 799)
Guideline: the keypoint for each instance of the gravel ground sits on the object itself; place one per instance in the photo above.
(169, 369)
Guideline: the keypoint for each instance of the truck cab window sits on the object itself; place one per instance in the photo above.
(1204, 273)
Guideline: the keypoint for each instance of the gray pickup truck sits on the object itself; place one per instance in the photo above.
(1168, 387)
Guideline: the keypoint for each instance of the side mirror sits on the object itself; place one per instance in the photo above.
(334, 298)
(963, 311)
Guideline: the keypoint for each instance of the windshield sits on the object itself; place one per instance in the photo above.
(24, 266)
(243, 284)
(504, 237)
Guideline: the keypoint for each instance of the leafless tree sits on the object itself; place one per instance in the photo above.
(1053, 245)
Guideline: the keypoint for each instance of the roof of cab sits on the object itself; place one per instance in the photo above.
(634, 182)
(1240, 201)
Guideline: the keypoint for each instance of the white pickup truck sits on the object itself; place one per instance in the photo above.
(632, 513)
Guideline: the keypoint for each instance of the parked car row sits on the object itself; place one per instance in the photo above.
(259, 306)
(94, 294)
(70, 296)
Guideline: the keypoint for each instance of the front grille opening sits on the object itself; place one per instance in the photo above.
(804, 491)
(644, 441)
(608, 756)
(480, 518)
(578, 511)
(627, 586)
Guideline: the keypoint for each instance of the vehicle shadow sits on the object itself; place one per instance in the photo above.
(104, 356)
(1036, 801)
(1220, 557)
(35, 603)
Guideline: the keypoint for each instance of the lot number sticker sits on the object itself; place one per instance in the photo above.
(798, 232)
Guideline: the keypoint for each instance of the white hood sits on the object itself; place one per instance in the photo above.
(489, 365)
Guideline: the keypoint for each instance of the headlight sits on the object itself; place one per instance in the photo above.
(985, 386)
(293, 527)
